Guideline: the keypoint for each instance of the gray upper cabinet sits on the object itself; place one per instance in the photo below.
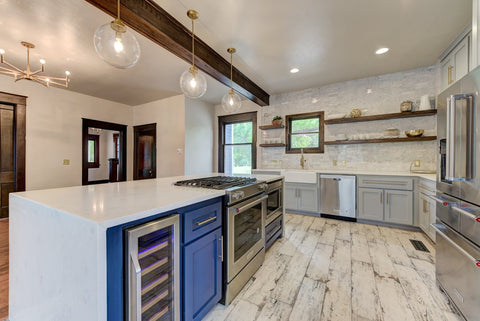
(457, 63)
(398, 207)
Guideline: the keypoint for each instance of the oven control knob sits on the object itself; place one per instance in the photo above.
(238, 195)
(263, 187)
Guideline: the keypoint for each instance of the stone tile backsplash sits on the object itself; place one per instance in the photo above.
(375, 95)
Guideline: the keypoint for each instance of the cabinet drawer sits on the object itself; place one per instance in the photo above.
(427, 187)
(201, 221)
(390, 182)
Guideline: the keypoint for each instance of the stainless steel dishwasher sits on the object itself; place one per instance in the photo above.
(337, 196)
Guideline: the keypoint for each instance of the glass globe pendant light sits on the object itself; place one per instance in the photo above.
(231, 102)
(115, 44)
(192, 82)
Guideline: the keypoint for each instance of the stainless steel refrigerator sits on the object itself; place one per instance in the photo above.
(458, 194)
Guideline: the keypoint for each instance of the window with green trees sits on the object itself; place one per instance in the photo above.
(237, 143)
(304, 132)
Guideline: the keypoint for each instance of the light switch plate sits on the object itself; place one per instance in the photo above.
(416, 163)
(66, 162)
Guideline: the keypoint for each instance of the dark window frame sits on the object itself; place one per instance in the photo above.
(231, 119)
(96, 151)
(288, 134)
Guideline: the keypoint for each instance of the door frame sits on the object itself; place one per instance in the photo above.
(136, 130)
(122, 129)
(20, 110)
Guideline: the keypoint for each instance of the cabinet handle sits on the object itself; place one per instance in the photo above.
(387, 198)
(208, 220)
(425, 206)
(221, 248)
(381, 197)
(450, 74)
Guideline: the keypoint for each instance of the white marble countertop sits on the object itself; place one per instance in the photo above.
(431, 177)
(117, 203)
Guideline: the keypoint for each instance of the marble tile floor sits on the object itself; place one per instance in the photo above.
(331, 270)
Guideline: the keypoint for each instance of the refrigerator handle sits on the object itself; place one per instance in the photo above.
(138, 286)
(450, 153)
(451, 135)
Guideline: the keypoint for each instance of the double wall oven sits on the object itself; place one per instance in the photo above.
(458, 195)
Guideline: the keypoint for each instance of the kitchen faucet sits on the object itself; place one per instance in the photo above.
(302, 160)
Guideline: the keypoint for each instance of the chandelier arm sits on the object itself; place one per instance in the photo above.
(7, 71)
(52, 81)
(20, 78)
(51, 78)
(36, 72)
(13, 67)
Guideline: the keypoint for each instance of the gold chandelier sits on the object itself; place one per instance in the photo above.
(28, 74)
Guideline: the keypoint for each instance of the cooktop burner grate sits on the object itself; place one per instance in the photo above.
(217, 182)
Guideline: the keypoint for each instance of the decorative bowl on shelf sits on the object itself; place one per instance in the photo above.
(354, 113)
(414, 132)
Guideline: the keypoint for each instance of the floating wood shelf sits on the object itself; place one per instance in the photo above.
(266, 127)
(272, 145)
(419, 113)
(381, 140)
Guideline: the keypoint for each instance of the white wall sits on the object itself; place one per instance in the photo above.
(169, 115)
(199, 146)
(54, 131)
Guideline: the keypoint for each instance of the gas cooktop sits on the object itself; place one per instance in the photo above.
(217, 182)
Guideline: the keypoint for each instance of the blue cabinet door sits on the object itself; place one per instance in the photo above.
(202, 287)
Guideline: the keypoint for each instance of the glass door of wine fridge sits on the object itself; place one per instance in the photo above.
(153, 274)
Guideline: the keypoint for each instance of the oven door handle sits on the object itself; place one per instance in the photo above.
(455, 245)
(250, 205)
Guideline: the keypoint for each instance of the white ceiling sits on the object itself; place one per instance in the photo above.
(329, 41)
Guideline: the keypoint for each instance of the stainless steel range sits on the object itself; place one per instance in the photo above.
(244, 229)
(458, 194)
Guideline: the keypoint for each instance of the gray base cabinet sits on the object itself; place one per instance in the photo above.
(370, 204)
(385, 199)
(301, 197)
(398, 207)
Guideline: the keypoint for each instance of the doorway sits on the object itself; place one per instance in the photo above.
(145, 149)
(104, 152)
(12, 175)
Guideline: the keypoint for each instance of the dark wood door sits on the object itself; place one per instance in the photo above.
(7, 136)
(145, 162)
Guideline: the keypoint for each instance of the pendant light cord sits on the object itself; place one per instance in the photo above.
(193, 45)
(118, 9)
(231, 71)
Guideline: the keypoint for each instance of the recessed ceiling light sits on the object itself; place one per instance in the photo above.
(382, 51)
(294, 70)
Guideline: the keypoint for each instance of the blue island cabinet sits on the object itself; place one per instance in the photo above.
(202, 261)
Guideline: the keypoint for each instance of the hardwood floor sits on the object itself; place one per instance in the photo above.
(334, 270)
(3, 269)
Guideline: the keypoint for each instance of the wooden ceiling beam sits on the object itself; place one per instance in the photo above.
(150, 20)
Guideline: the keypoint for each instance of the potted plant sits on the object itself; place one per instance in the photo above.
(277, 121)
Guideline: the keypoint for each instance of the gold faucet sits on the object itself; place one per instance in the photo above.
(302, 160)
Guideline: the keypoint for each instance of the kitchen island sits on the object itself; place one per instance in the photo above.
(58, 242)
